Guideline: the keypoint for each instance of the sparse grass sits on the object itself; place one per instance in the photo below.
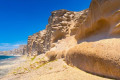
(42, 59)
(33, 58)
(45, 63)
(65, 66)
(20, 70)
(50, 68)
(14, 72)
(26, 69)
(41, 65)
(35, 64)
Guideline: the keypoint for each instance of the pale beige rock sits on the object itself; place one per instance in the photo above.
(101, 57)
(103, 14)
(67, 29)
(62, 23)
(36, 43)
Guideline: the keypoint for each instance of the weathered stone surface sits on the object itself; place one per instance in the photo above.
(103, 14)
(36, 43)
(65, 23)
(101, 57)
(62, 23)
(67, 29)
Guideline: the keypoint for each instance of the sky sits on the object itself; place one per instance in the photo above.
(21, 18)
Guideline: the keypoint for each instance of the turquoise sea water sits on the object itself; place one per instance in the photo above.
(2, 57)
(4, 61)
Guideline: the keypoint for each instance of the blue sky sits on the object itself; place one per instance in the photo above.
(21, 18)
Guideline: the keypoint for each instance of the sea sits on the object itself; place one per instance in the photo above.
(2, 57)
(6, 63)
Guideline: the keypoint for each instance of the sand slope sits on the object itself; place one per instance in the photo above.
(55, 70)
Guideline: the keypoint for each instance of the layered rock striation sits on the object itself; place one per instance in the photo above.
(62, 23)
(103, 16)
(84, 39)
(100, 30)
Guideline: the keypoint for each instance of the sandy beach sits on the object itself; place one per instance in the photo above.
(41, 69)
(8, 64)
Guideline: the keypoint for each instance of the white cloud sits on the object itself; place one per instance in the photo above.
(16, 45)
(8, 46)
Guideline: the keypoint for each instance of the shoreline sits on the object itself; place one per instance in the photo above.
(8, 57)
(8, 64)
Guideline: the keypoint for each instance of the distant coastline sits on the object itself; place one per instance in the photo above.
(9, 55)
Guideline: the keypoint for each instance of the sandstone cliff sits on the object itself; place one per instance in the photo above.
(103, 17)
(62, 23)
(101, 25)
(67, 31)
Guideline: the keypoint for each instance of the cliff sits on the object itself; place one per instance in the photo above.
(17, 51)
(98, 38)
(87, 39)
(62, 23)
(103, 17)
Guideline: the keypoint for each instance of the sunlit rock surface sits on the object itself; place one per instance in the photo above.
(62, 24)
(84, 39)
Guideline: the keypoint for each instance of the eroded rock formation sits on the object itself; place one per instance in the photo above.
(101, 57)
(67, 31)
(104, 16)
(36, 43)
(62, 23)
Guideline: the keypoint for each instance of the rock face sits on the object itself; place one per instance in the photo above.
(36, 43)
(101, 57)
(62, 23)
(67, 31)
(104, 15)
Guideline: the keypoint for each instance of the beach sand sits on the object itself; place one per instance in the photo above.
(8, 64)
(53, 70)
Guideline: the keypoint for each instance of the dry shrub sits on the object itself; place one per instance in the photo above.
(51, 55)
(61, 54)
